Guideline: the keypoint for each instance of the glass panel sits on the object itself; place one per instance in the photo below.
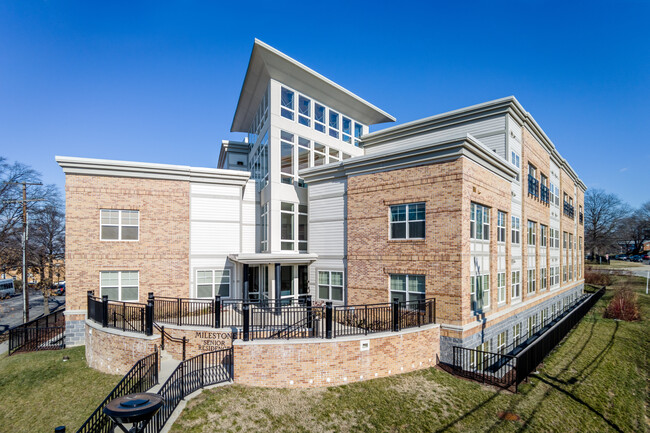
(303, 158)
(204, 277)
(111, 292)
(401, 296)
(108, 278)
(346, 125)
(129, 278)
(337, 293)
(286, 157)
(334, 154)
(303, 280)
(320, 148)
(286, 246)
(286, 206)
(303, 105)
(358, 130)
(398, 213)
(130, 233)
(319, 159)
(323, 292)
(319, 113)
(286, 96)
(346, 156)
(224, 289)
(110, 232)
(398, 282)
(416, 211)
(337, 278)
(416, 229)
(286, 281)
(302, 208)
(130, 217)
(323, 277)
(334, 120)
(204, 291)
(110, 216)
(416, 283)
(302, 227)
(398, 230)
(286, 136)
(129, 293)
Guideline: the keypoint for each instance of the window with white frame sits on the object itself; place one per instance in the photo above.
(119, 285)
(478, 359)
(516, 285)
(407, 287)
(531, 281)
(319, 118)
(532, 233)
(555, 238)
(333, 123)
(515, 230)
(515, 160)
(516, 334)
(286, 226)
(570, 241)
(320, 154)
(302, 227)
(501, 287)
(543, 233)
(330, 285)
(358, 132)
(287, 102)
(542, 278)
(286, 157)
(346, 129)
(564, 273)
(479, 226)
(544, 314)
(304, 110)
(213, 282)
(407, 221)
(502, 342)
(501, 226)
(533, 325)
(555, 194)
(480, 292)
(264, 228)
(119, 225)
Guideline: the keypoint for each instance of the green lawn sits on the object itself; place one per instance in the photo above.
(596, 381)
(39, 391)
(613, 264)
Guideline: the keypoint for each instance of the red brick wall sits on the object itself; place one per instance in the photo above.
(316, 362)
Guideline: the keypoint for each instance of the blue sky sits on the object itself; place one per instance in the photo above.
(158, 81)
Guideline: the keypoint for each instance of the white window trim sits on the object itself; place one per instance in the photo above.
(213, 270)
(329, 285)
(503, 227)
(119, 284)
(486, 292)
(517, 298)
(485, 212)
(406, 290)
(501, 288)
(406, 222)
(119, 225)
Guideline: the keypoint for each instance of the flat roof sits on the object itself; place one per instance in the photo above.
(268, 63)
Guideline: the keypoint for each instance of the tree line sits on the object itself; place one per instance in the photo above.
(46, 235)
(612, 225)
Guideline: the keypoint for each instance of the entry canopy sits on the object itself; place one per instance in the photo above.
(266, 62)
(269, 258)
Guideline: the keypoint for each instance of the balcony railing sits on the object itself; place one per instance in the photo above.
(533, 186)
(543, 194)
(569, 210)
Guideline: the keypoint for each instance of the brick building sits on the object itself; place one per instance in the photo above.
(474, 207)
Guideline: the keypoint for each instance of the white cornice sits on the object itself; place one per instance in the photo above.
(266, 62)
(145, 170)
(265, 258)
(429, 153)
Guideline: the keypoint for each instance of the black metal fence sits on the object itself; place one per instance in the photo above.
(126, 316)
(191, 375)
(44, 333)
(142, 376)
(512, 364)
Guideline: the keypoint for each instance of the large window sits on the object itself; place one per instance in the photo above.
(501, 287)
(334, 124)
(210, 283)
(480, 292)
(532, 233)
(119, 225)
(407, 221)
(286, 226)
(119, 285)
(264, 228)
(542, 278)
(515, 160)
(516, 284)
(286, 101)
(543, 233)
(532, 281)
(330, 285)
(479, 222)
(501, 226)
(555, 238)
(516, 230)
(302, 227)
(407, 287)
(555, 194)
(304, 111)
(319, 117)
(286, 157)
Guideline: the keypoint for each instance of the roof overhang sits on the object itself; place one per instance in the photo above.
(269, 258)
(145, 170)
(268, 63)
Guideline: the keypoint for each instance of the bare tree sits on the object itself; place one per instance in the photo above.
(635, 229)
(604, 213)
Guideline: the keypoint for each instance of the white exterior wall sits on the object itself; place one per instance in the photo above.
(554, 222)
(514, 143)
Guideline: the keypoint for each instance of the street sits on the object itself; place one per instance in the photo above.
(11, 310)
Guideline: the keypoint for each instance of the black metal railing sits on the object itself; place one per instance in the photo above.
(544, 194)
(533, 186)
(126, 316)
(142, 376)
(44, 333)
(191, 375)
(491, 368)
(165, 336)
(569, 209)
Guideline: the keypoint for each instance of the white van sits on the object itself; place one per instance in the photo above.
(7, 288)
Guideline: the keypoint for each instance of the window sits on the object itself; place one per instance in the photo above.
(514, 159)
(564, 274)
(264, 223)
(501, 226)
(516, 284)
(286, 226)
(119, 225)
(358, 132)
(477, 359)
(570, 241)
(304, 150)
(346, 130)
(543, 230)
(407, 221)
(334, 155)
(319, 117)
(532, 171)
(555, 238)
(544, 314)
(555, 194)
(286, 102)
(564, 240)
(119, 285)
(532, 325)
(532, 280)
(320, 155)
(304, 110)
(515, 230)
(501, 287)
(407, 287)
(302, 228)
(542, 278)
(480, 292)
(532, 233)
(210, 283)
(334, 124)
(502, 340)
(286, 157)
(330, 285)
(516, 334)
(479, 226)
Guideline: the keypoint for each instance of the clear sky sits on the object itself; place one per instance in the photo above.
(158, 81)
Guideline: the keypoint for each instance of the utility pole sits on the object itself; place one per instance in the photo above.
(24, 202)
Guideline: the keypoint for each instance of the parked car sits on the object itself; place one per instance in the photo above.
(7, 288)
(646, 257)
(58, 290)
(620, 257)
(636, 258)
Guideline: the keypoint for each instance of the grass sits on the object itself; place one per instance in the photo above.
(595, 381)
(613, 264)
(39, 391)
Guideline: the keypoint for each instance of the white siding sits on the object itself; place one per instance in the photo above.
(214, 238)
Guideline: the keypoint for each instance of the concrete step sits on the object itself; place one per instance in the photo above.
(167, 367)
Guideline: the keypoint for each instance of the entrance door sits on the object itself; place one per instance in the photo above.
(254, 284)
(287, 289)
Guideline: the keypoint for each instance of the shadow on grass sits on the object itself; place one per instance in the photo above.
(468, 413)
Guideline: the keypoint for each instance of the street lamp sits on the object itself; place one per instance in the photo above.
(135, 409)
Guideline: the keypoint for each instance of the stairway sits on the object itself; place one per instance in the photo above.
(167, 367)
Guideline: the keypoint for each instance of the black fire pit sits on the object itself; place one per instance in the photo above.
(136, 409)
